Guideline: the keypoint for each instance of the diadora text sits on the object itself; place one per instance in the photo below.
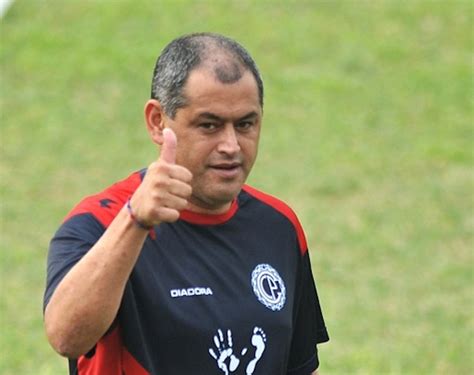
(190, 292)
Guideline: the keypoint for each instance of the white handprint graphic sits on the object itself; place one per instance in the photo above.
(227, 361)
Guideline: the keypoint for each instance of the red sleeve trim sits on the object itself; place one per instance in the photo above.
(106, 205)
(284, 209)
(110, 358)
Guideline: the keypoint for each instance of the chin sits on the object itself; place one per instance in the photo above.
(225, 197)
(219, 197)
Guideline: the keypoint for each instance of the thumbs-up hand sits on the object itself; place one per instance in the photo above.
(168, 150)
(165, 188)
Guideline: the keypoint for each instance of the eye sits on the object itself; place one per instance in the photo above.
(209, 126)
(244, 125)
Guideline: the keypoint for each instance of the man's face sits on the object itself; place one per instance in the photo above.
(218, 133)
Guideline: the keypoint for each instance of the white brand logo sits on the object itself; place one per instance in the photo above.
(269, 287)
(190, 292)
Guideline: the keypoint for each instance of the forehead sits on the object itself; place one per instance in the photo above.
(205, 92)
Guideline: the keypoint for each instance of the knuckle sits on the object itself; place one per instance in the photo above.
(158, 214)
(158, 197)
(182, 190)
(162, 182)
(162, 169)
(182, 204)
(174, 215)
(188, 191)
(188, 176)
(168, 214)
(152, 166)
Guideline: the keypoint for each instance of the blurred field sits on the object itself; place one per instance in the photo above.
(368, 134)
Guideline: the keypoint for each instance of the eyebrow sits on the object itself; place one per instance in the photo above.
(212, 116)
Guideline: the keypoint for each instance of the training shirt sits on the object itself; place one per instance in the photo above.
(209, 294)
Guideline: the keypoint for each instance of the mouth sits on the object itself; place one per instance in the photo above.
(227, 170)
(226, 166)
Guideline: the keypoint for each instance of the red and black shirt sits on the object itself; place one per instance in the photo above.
(209, 294)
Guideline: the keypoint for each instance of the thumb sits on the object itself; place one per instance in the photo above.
(168, 148)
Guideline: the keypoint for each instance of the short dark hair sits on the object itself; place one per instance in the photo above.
(227, 58)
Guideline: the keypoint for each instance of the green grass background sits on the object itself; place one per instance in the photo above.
(367, 134)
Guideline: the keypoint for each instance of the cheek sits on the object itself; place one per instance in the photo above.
(250, 150)
(192, 158)
(186, 160)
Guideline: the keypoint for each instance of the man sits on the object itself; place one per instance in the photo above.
(182, 268)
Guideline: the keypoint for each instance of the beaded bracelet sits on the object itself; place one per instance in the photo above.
(139, 223)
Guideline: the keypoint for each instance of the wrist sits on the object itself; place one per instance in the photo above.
(138, 222)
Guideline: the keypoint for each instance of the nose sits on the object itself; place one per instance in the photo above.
(228, 143)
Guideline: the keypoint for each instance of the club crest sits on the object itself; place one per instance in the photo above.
(269, 287)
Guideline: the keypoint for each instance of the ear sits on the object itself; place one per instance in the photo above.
(154, 118)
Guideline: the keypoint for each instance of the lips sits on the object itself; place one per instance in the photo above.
(227, 170)
(226, 166)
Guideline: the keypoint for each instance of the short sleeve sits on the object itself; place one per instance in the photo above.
(70, 243)
(309, 327)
